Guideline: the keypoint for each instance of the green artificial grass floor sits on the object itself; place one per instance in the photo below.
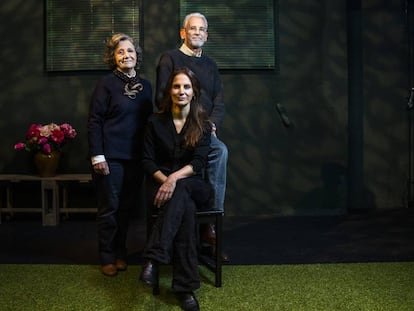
(356, 286)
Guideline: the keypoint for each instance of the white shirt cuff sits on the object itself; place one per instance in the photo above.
(98, 159)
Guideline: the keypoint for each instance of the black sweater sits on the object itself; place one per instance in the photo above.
(206, 71)
(116, 122)
(164, 149)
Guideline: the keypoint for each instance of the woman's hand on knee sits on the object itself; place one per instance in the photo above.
(165, 192)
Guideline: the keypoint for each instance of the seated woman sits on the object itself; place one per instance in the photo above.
(176, 146)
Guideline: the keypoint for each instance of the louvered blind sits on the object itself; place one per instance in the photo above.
(76, 31)
(241, 32)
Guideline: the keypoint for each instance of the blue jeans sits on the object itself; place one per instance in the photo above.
(217, 171)
(117, 194)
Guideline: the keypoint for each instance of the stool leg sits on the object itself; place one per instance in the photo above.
(156, 290)
(219, 232)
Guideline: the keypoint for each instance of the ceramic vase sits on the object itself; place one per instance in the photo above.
(47, 164)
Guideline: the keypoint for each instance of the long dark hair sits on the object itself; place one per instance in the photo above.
(197, 119)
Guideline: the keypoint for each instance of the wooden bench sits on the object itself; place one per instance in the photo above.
(53, 192)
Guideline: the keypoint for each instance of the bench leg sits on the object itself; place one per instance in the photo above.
(50, 203)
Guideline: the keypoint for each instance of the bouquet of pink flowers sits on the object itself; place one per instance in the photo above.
(46, 138)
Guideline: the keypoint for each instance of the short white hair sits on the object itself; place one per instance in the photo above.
(188, 16)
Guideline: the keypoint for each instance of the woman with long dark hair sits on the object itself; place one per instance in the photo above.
(176, 146)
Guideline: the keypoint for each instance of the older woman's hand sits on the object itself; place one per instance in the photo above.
(101, 168)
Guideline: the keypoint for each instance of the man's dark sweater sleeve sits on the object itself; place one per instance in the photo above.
(164, 69)
(217, 114)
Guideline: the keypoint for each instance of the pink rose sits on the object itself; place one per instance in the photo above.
(19, 146)
(46, 148)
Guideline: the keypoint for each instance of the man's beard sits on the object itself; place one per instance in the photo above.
(197, 43)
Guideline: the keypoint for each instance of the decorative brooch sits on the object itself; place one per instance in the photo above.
(132, 91)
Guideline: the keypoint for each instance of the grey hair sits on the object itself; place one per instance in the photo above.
(112, 43)
(188, 16)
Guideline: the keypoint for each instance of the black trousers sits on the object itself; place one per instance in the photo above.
(117, 195)
(174, 236)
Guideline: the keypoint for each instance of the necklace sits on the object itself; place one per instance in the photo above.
(132, 85)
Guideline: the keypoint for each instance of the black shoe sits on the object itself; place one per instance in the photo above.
(188, 301)
(149, 273)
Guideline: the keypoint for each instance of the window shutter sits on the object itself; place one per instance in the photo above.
(241, 33)
(76, 31)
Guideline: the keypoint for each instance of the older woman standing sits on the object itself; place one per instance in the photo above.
(119, 109)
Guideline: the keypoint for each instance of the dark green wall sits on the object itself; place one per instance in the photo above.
(272, 169)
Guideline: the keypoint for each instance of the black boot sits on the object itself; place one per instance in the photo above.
(188, 301)
(149, 273)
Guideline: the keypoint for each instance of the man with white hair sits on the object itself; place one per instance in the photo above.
(194, 33)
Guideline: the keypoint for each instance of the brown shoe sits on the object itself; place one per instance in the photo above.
(109, 270)
(208, 234)
(211, 252)
(120, 264)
